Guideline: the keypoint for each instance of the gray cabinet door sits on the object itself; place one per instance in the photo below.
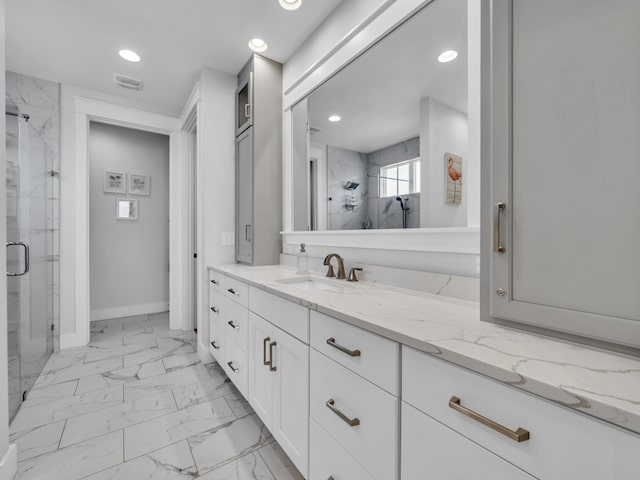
(564, 155)
(244, 194)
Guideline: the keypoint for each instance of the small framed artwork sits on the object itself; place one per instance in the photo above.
(453, 178)
(126, 209)
(115, 182)
(139, 184)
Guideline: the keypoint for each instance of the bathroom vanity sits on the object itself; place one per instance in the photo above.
(367, 381)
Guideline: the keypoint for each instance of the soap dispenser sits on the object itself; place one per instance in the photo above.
(303, 260)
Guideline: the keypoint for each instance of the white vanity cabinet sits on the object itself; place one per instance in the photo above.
(441, 399)
(560, 209)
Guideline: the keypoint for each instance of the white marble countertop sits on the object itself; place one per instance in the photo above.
(596, 382)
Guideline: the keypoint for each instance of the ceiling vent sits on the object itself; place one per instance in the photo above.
(127, 82)
(314, 130)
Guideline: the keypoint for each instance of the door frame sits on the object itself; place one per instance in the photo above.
(85, 111)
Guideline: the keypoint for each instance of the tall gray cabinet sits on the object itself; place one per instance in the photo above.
(561, 213)
(259, 162)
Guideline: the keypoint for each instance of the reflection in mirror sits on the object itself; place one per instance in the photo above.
(383, 143)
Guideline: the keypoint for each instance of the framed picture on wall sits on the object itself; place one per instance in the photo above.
(115, 182)
(139, 184)
(126, 209)
(453, 178)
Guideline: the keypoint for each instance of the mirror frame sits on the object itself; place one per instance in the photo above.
(459, 241)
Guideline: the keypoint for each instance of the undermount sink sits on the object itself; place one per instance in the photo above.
(314, 284)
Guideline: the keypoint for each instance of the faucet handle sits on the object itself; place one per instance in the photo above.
(330, 272)
(352, 274)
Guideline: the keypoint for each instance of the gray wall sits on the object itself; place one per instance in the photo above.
(129, 259)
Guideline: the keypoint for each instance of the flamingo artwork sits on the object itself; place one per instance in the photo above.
(454, 178)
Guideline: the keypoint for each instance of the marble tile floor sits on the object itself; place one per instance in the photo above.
(136, 404)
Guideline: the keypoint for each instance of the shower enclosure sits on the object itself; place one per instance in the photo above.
(30, 250)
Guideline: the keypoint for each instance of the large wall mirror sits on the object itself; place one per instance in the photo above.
(384, 143)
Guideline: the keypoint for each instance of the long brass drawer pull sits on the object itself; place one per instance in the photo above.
(233, 325)
(271, 367)
(264, 351)
(213, 344)
(497, 245)
(352, 353)
(231, 290)
(352, 422)
(235, 370)
(215, 310)
(520, 435)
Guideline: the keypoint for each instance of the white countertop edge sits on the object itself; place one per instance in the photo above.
(599, 404)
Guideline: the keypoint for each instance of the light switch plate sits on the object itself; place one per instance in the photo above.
(228, 239)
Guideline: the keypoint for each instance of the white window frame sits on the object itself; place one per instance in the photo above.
(414, 180)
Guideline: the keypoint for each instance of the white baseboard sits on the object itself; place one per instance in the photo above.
(128, 311)
(72, 340)
(9, 464)
(203, 353)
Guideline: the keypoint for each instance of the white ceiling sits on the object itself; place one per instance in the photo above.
(378, 96)
(76, 41)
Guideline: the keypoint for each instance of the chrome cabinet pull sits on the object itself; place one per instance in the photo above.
(352, 422)
(247, 233)
(26, 258)
(247, 110)
(497, 246)
(231, 290)
(215, 310)
(519, 435)
(264, 351)
(215, 282)
(213, 344)
(233, 325)
(271, 367)
(235, 370)
(352, 353)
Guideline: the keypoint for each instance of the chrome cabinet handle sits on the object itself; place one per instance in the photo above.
(215, 282)
(271, 367)
(352, 353)
(497, 246)
(231, 290)
(264, 351)
(26, 258)
(519, 435)
(235, 370)
(352, 422)
(247, 110)
(213, 344)
(233, 325)
(247, 233)
(215, 310)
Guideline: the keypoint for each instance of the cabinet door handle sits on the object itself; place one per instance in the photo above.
(271, 367)
(247, 233)
(352, 422)
(497, 246)
(231, 290)
(519, 435)
(352, 353)
(215, 282)
(264, 351)
(247, 110)
(213, 344)
(26, 258)
(233, 325)
(235, 370)
(215, 310)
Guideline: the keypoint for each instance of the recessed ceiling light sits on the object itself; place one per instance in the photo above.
(447, 56)
(290, 4)
(258, 45)
(334, 118)
(129, 55)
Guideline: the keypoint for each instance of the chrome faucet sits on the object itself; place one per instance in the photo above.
(330, 273)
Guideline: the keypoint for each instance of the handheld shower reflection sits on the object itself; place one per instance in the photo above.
(405, 209)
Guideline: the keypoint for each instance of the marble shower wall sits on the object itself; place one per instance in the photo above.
(386, 212)
(346, 166)
(40, 99)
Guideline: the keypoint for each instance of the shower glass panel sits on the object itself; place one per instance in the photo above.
(29, 247)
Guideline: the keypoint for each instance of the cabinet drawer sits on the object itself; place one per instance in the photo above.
(217, 307)
(236, 365)
(562, 444)
(374, 441)
(216, 343)
(330, 460)
(216, 281)
(236, 290)
(288, 316)
(428, 445)
(236, 324)
(377, 358)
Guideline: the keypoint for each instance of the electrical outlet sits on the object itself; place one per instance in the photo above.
(228, 239)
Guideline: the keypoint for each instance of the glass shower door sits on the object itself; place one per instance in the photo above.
(29, 271)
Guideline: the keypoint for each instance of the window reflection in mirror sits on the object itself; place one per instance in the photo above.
(372, 146)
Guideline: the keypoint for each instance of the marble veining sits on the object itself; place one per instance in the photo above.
(596, 382)
(150, 420)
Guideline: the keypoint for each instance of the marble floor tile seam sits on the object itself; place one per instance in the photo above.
(253, 450)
